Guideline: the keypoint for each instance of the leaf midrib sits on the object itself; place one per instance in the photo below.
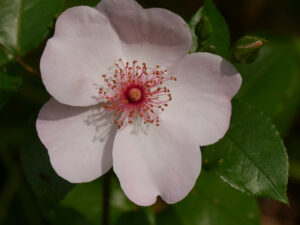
(277, 191)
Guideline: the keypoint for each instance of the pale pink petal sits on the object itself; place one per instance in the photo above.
(163, 162)
(202, 96)
(155, 36)
(83, 48)
(78, 139)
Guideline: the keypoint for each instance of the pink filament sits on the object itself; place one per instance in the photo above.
(134, 80)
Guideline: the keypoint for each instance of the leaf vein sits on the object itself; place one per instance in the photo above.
(256, 165)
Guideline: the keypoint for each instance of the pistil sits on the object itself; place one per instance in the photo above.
(136, 91)
(134, 95)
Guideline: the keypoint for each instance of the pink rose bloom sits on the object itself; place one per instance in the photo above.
(127, 95)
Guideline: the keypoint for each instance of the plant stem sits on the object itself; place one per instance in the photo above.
(27, 67)
(106, 198)
(19, 60)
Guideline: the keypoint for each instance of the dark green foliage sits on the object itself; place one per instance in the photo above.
(133, 218)
(213, 202)
(25, 23)
(251, 157)
(272, 82)
(210, 31)
(10, 81)
(46, 184)
(249, 161)
(63, 215)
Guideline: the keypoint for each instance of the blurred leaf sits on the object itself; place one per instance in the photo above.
(272, 82)
(72, 3)
(168, 216)
(63, 215)
(46, 184)
(219, 38)
(297, 44)
(292, 143)
(212, 202)
(5, 57)
(10, 81)
(119, 202)
(24, 209)
(294, 169)
(24, 23)
(133, 218)
(86, 199)
(251, 157)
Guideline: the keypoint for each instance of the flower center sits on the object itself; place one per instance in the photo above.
(134, 95)
(135, 91)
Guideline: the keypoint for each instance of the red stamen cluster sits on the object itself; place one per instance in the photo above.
(133, 92)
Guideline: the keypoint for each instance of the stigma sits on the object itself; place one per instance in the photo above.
(134, 92)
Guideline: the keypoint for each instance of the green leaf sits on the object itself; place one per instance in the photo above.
(72, 3)
(251, 157)
(219, 37)
(24, 23)
(86, 199)
(272, 82)
(23, 208)
(119, 202)
(46, 184)
(294, 169)
(133, 218)
(10, 81)
(168, 216)
(5, 57)
(63, 215)
(212, 202)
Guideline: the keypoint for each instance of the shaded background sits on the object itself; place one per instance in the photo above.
(273, 19)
